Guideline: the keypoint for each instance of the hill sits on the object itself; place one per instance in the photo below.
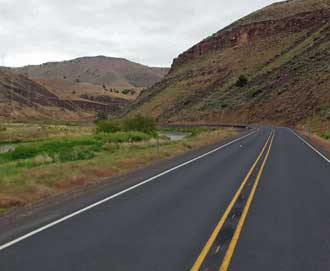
(270, 66)
(77, 89)
(22, 99)
(100, 70)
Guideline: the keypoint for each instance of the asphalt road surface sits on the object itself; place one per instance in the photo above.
(259, 203)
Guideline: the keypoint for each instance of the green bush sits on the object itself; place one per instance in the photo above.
(224, 105)
(140, 123)
(253, 92)
(108, 126)
(241, 81)
(126, 91)
(325, 135)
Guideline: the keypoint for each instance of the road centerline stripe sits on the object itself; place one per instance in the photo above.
(91, 206)
(203, 254)
(233, 243)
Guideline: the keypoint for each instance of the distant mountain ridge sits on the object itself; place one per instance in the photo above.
(100, 70)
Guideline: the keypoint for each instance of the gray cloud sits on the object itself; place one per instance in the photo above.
(151, 32)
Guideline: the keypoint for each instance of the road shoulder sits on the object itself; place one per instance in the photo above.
(317, 142)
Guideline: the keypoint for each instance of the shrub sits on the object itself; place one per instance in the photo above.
(126, 91)
(325, 135)
(224, 105)
(241, 81)
(140, 123)
(253, 92)
(325, 112)
(137, 123)
(108, 126)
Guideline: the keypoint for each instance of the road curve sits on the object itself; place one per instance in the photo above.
(261, 203)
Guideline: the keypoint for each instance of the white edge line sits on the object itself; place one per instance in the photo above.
(54, 223)
(312, 147)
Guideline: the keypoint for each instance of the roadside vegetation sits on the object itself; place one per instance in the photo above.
(16, 132)
(325, 135)
(136, 123)
(54, 162)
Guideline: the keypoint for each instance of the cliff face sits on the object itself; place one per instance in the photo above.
(232, 37)
(281, 52)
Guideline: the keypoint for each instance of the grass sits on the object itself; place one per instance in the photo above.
(121, 137)
(15, 132)
(57, 149)
(39, 169)
(63, 150)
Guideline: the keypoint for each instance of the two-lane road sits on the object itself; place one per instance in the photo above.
(259, 203)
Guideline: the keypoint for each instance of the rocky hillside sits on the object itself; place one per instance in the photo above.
(271, 66)
(105, 71)
(22, 99)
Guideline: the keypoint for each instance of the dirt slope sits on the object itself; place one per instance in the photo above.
(282, 50)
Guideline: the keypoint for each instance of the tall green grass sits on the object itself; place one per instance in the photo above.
(58, 150)
(63, 150)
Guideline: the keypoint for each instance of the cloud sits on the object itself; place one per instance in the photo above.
(151, 32)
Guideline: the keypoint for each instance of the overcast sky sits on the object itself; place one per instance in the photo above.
(150, 32)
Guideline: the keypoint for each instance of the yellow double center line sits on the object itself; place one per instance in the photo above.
(231, 248)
